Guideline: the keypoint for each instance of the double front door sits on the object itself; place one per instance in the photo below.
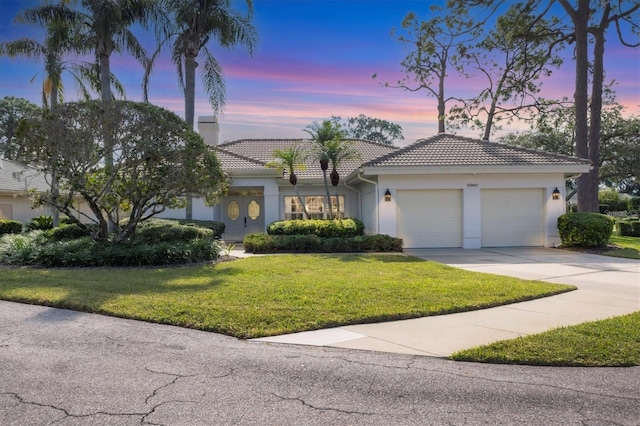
(243, 214)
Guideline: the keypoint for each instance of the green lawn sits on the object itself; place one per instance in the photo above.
(630, 247)
(612, 342)
(262, 296)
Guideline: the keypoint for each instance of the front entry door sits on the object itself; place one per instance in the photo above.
(243, 215)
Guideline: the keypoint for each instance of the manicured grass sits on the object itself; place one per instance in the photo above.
(262, 296)
(630, 247)
(612, 342)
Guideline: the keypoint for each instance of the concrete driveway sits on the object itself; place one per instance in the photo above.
(607, 287)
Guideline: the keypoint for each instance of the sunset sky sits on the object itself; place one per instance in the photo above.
(314, 59)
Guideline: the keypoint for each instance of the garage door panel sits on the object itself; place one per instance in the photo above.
(429, 218)
(512, 217)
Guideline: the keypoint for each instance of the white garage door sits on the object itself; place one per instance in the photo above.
(512, 217)
(429, 218)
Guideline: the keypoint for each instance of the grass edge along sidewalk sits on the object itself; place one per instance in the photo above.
(612, 342)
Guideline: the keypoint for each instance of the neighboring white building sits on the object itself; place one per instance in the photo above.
(15, 182)
(444, 191)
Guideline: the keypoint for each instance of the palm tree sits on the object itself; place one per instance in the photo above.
(191, 26)
(321, 134)
(106, 25)
(337, 151)
(60, 40)
(290, 159)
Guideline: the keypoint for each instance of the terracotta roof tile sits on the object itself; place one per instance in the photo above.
(260, 151)
(232, 161)
(452, 150)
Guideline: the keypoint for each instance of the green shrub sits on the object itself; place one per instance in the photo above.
(216, 227)
(30, 249)
(585, 229)
(40, 223)
(320, 227)
(381, 243)
(633, 204)
(628, 227)
(155, 231)
(610, 200)
(67, 232)
(264, 243)
(8, 226)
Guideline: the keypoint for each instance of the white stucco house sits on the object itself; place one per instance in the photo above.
(443, 191)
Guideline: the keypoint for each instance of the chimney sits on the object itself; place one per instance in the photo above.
(209, 129)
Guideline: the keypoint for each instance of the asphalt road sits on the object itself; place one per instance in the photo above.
(67, 368)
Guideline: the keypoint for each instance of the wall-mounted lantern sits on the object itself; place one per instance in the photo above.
(387, 195)
(555, 194)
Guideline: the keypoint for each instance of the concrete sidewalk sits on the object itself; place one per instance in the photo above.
(607, 287)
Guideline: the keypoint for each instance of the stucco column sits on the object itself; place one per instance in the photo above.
(271, 203)
(471, 218)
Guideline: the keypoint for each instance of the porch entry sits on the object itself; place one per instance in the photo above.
(243, 210)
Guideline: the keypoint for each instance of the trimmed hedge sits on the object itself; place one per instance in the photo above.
(585, 229)
(628, 227)
(156, 231)
(216, 227)
(264, 243)
(8, 226)
(66, 232)
(324, 228)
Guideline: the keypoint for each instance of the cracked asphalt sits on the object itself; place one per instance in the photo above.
(69, 368)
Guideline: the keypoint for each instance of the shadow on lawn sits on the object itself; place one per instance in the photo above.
(89, 289)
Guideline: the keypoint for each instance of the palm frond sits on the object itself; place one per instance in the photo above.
(213, 82)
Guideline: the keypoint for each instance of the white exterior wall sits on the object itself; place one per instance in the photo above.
(370, 197)
(20, 208)
(471, 185)
(200, 211)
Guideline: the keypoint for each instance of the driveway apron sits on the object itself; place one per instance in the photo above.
(607, 287)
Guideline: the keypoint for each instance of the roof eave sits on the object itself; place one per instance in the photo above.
(571, 169)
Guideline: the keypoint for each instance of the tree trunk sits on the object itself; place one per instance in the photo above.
(580, 18)
(302, 203)
(441, 101)
(326, 187)
(596, 111)
(190, 66)
(105, 91)
(55, 213)
(492, 109)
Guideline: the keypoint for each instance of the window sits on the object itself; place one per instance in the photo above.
(315, 207)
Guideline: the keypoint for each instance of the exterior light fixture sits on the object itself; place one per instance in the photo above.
(387, 195)
(555, 194)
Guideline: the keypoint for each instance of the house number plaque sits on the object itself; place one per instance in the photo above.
(254, 210)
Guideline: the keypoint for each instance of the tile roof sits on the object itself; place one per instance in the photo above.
(259, 152)
(231, 161)
(452, 150)
(15, 178)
